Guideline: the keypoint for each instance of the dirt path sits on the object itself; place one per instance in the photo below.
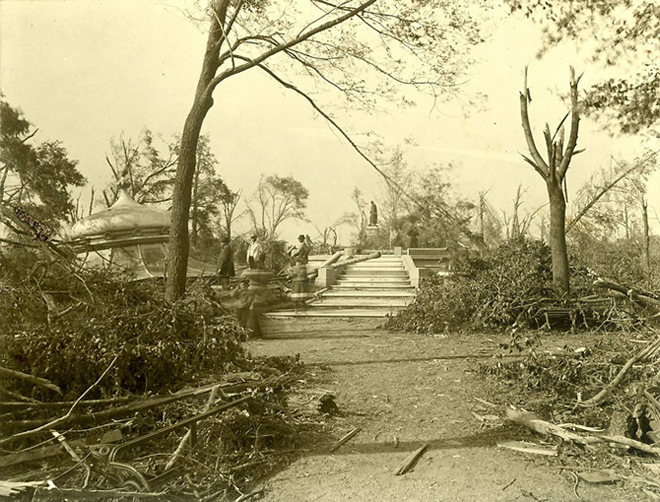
(405, 391)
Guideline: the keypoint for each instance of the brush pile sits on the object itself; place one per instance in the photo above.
(108, 392)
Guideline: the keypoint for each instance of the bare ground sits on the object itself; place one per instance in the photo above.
(404, 391)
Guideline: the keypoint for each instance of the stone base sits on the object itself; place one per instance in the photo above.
(326, 278)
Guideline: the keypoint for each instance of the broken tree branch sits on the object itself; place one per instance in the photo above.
(648, 351)
(89, 419)
(42, 382)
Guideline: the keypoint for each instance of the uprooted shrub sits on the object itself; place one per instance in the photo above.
(496, 292)
(68, 325)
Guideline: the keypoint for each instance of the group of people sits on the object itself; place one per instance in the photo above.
(298, 254)
(225, 266)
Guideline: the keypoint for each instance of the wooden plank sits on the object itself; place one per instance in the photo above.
(529, 448)
(350, 435)
(409, 462)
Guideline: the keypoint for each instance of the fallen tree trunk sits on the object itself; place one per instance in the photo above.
(531, 421)
(644, 298)
(352, 261)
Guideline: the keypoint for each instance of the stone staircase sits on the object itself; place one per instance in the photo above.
(373, 288)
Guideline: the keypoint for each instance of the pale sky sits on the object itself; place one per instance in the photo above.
(84, 71)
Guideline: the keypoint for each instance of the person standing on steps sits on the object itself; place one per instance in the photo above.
(300, 286)
(225, 265)
(299, 252)
(255, 254)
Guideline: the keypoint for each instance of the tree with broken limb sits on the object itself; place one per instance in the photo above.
(362, 49)
(553, 171)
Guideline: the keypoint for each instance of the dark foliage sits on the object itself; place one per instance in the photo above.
(67, 326)
(496, 292)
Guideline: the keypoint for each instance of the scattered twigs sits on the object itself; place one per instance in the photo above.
(248, 496)
(26, 400)
(575, 485)
(509, 484)
(647, 352)
(70, 494)
(12, 405)
(350, 435)
(184, 440)
(409, 462)
(633, 444)
(32, 379)
(487, 403)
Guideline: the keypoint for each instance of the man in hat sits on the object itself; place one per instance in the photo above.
(299, 252)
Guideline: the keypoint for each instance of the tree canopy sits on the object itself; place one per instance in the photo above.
(34, 176)
(620, 34)
(361, 49)
(277, 200)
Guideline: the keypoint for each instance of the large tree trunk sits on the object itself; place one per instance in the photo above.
(179, 245)
(178, 249)
(560, 272)
(195, 210)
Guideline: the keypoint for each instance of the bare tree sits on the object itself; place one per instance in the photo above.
(553, 171)
(229, 202)
(277, 199)
(142, 167)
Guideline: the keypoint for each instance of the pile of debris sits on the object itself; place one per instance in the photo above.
(614, 434)
(204, 443)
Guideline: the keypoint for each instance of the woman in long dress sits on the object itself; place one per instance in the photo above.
(300, 286)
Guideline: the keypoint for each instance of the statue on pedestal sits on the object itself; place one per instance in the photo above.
(373, 215)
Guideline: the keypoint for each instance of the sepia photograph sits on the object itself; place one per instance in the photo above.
(330, 250)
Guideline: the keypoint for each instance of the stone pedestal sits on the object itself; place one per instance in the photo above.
(398, 250)
(327, 277)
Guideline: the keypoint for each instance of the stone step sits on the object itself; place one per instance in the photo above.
(365, 286)
(399, 278)
(358, 268)
(357, 293)
(360, 303)
(335, 313)
(375, 273)
(377, 263)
